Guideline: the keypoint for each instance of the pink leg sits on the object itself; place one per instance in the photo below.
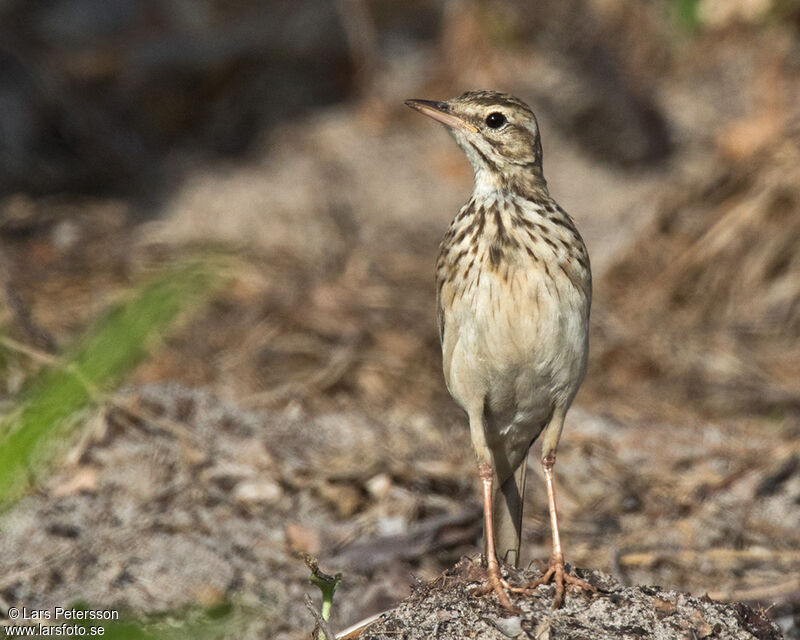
(556, 570)
(496, 583)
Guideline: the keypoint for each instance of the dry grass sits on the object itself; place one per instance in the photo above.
(706, 305)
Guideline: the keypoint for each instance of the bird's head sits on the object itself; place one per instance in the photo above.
(499, 134)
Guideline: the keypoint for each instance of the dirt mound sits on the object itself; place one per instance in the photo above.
(445, 610)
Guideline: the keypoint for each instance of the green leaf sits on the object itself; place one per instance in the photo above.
(50, 405)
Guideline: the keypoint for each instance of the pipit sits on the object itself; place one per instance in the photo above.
(514, 289)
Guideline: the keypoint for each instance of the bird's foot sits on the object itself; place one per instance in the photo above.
(497, 584)
(557, 573)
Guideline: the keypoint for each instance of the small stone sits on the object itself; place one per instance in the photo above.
(701, 628)
(379, 486)
(304, 539)
(253, 453)
(228, 475)
(83, 480)
(255, 492)
(392, 526)
(207, 595)
(344, 497)
(509, 627)
(194, 456)
(663, 607)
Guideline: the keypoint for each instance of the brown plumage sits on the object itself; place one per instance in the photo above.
(513, 293)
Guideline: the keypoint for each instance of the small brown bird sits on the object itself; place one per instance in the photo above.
(514, 290)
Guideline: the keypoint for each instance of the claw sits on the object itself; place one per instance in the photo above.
(560, 578)
(498, 585)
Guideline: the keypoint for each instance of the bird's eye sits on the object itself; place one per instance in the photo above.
(495, 120)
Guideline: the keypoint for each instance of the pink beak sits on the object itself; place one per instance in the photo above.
(439, 112)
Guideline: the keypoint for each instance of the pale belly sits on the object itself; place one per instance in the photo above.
(517, 356)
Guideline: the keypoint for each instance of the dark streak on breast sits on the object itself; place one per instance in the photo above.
(502, 236)
(495, 255)
(467, 270)
(461, 235)
(480, 214)
(532, 254)
(563, 222)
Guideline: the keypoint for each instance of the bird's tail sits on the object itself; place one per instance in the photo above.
(507, 515)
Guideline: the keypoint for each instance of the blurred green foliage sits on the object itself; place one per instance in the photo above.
(327, 584)
(223, 621)
(51, 403)
(687, 13)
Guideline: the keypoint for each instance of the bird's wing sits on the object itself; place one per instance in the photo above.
(440, 315)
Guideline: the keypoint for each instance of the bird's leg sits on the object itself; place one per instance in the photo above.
(555, 570)
(496, 582)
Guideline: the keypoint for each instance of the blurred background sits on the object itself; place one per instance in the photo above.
(292, 400)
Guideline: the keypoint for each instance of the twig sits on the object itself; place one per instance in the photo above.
(353, 632)
(322, 624)
(33, 353)
(169, 425)
(21, 312)
(437, 532)
(616, 569)
(98, 396)
(770, 591)
(339, 364)
(720, 557)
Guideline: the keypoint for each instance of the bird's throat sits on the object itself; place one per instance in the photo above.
(522, 180)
